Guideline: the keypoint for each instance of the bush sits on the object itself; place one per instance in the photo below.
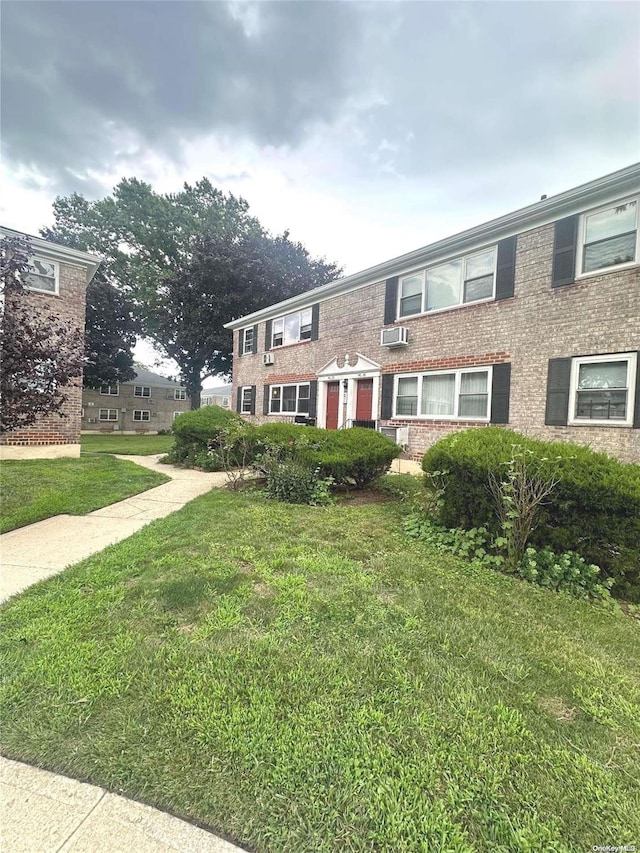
(293, 483)
(196, 433)
(593, 510)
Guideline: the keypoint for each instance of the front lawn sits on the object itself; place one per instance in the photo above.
(308, 679)
(127, 445)
(33, 489)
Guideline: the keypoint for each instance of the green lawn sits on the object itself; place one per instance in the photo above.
(128, 445)
(34, 489)
(307, 679)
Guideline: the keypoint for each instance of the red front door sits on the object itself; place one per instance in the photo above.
(333, 399)
(364, 399)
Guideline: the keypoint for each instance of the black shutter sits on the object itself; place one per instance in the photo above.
(267, 335)
(564, 251)
(500, 392)
(386, 409)
(506, 270)
(239, 400)
(313, 398)
(315, 320)
(241, 342)
(636, 411)
(391, 300)
(558, 377)
(254, 348)
(253, 400)
(265, 399)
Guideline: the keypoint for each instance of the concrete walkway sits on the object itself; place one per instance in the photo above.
(42, 812)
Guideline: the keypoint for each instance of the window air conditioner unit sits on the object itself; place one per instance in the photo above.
(123, 410)
(267, 358)
(398, 434)
(396, 336)
(92, 420)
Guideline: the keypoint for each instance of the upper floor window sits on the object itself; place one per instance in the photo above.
(291, 329)
(42, 275)
(110, 390)
(457, 282)
(601, 389)
(460, 394)
(289, 399)
(141, 391)
(248, 340)
(179, 394)
(609, 237)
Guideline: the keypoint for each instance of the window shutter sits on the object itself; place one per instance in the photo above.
(564, 251)
(558, 377)
(239, 400)
(386, 409)
(254, 348)
(315, 320)
(636, 411)
(253, 399)
(313, 398)
(391, 300)
(265, 399)
(500, 392)
(267, 335)
(506, 269)
(240, 341)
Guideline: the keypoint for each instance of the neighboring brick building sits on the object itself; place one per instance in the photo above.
(530, 320)
(220, 396)
(57, 286)
(148, 403)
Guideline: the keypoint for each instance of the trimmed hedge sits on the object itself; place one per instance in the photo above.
(194, 433)
(594, 510)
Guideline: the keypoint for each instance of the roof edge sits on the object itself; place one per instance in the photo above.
(57, 250)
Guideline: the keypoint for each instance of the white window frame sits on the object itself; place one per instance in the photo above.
(225, 402)
(284, 319)
(175, 415)
(143, 389)
(179, 394)
(632, 366)
(582, 229)
(56, 277)
(423, 275)
(247, 402)
(142, 413)
(247, 350)
(457, 371)
(110, 392)
(297, 386)
(108, 417)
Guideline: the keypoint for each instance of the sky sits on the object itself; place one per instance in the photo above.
(365, 129)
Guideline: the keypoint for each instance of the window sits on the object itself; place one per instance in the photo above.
(108, 415)
(110, 390)
(179, 394)
(291, 329)
(458, 282)
(246, 400)
(175, 414)
(601, 389)
(609, 237)
(42, 275)
(225, 401)
(289, 399)
(141, 415)
(247, 346)
(141, 391)
(460, 394)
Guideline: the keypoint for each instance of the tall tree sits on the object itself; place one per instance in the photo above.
(191, 262)
(109, 335)
(41, 357)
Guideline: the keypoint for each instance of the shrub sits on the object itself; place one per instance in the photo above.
(294, 483)
(594, 509)
(198, 432)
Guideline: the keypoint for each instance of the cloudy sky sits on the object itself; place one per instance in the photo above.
(366, 129)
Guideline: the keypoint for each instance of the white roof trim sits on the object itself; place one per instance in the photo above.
(601, 191)
(57, 252)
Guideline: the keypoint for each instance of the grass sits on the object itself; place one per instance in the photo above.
(307, 679)
(127, 445)
(34, 489)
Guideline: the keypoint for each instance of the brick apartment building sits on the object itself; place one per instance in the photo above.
(148, 404)
(57, 285)
(531, 320)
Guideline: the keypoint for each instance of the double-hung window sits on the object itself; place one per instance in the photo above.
(246, 401)
(289, 399)
(602, 388)
(42, 275)
(179, 394)
(141, 415)
(141, 391)
(291, 329)
(457, 282)
(453, 394)
(108, 415)
(608, 237)
(247, 345)
(109, 390)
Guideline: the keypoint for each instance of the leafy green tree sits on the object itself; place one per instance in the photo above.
(109, 335)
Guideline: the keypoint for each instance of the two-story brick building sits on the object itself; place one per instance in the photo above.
(531, 320)
(147, 403)
(56, 286)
